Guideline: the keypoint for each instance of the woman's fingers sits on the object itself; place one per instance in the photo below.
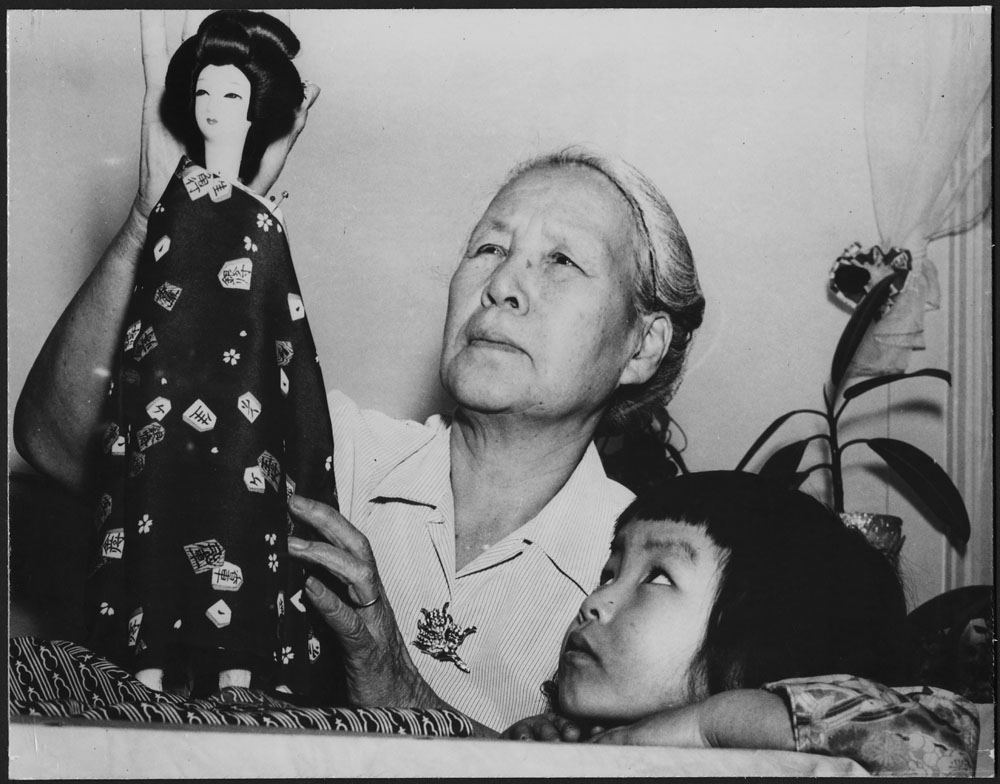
(273, 160)
(360, 576)
(155, 57)
(159, 151)
(344, 620)
(191, 21)
(331, 525)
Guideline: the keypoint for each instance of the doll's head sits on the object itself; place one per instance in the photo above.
(260, 48)
(724, 580)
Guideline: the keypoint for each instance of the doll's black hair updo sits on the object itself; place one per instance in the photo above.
(262, 47)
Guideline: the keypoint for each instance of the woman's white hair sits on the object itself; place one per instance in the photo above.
(665, 279)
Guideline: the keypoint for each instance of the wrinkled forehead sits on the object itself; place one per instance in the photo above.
(573, 195)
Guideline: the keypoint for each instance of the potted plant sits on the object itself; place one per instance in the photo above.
(917, 470)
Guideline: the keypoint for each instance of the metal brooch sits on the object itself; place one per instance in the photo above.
(439, 636)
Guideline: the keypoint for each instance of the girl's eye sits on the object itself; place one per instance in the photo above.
(563, 260)
(234, 95)
(659, 578)
(201, 91)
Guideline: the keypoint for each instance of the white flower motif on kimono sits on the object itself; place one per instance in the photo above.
(231, 357)
(329, 463)
(107, 609)
(286, 654)
(145, 523)
(158, 208)
(263, 221)
(271, 539)
(248, 244)
(272, 562)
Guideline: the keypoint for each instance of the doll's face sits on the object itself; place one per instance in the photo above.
(221, 103)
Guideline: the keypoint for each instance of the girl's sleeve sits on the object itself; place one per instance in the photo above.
(913, 731)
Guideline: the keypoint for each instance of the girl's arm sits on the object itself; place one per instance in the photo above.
(58, 419)
(742, 719)
(906, 730)
(747, 718)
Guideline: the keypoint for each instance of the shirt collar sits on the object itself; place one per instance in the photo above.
(574, 529)
(425, 476)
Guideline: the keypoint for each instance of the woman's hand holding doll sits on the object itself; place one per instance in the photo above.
(378, 668)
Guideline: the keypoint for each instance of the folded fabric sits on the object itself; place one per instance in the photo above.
(62, 679)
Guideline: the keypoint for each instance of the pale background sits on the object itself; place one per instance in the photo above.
(751, 122)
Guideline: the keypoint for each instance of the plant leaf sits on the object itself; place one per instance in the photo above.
(862, 318)
(770, 431)
(783, 465)
(873, 383)
(675, 455)
(929, 482)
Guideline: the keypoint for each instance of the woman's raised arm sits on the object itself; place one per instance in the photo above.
(58, 419)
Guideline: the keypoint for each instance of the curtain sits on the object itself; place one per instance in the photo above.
(927, 86)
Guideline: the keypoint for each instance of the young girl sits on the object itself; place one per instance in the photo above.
(218, 404)
(719, 586)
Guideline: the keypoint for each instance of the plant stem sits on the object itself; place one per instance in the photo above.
(836, 466)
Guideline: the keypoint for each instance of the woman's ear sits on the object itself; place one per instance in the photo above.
(653, 344)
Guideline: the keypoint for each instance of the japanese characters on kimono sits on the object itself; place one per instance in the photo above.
(218, 414)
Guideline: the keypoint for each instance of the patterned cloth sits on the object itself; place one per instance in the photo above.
(904, 731)
(218, 413)
(61, 679)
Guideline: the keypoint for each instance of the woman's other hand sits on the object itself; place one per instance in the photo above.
(276, 153)
(378, 668)
(545, 726)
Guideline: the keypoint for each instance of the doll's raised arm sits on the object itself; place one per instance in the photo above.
(59, 415)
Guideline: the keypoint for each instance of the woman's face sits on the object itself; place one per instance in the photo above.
(539, 312)
(629, 651)
(221, 103)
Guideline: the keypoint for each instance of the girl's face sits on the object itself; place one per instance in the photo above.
(221, 103)
(539, 309)
(629, 651)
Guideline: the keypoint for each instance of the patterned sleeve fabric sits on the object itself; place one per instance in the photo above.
(218, 413)
(902, 731)
(62, 679)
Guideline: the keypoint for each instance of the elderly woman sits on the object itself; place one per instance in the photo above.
(466, 542)
(575, 300)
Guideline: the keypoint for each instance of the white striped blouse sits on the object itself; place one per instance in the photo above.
(520, 594)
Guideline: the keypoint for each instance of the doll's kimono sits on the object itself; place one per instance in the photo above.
(218, 414)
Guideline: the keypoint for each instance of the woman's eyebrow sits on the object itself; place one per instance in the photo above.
(673, 547)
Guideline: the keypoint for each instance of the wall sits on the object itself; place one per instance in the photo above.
(750, 121)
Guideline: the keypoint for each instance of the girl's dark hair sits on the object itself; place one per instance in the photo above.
(799, 594)
(262, 47)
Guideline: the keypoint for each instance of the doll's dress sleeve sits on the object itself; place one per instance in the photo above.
(219, 413)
